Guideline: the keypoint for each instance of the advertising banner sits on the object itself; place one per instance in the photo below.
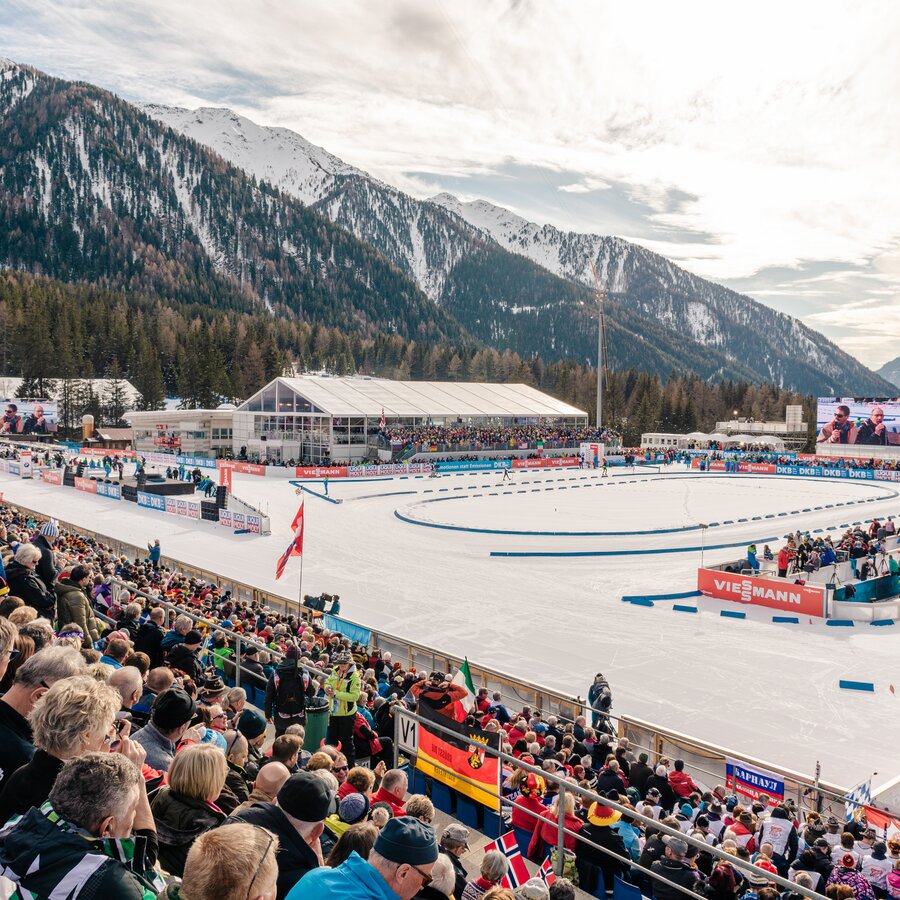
(172, 506)
(239, 521)
(14, 468)
(254, 524)
(4, 465)
(225, 471)
(52, 476)
(182, 508)
(751, 781)
(88, 485)
(225, 518)
(805, 599)
(863, 421)
(321, 471)
(151, 501)
(463, 753)
(113, 491)
(592, 452)
(192, 509)
(29, 417)
(553, 462)
(472, 465)
(25, 464)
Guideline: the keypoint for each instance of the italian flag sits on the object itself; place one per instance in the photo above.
(463, 678)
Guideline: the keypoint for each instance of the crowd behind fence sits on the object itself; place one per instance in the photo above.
(704, 759)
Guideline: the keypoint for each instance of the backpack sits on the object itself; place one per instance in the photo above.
(289, 692)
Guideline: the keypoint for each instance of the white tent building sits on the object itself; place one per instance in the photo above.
(317, 417)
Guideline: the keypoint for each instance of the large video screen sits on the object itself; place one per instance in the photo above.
(29, 417)
(859, 421)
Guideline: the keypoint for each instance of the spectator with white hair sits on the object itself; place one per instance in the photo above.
(128, 682)
(24, 581)
(76, 716)
(8, 652)
(32, 680)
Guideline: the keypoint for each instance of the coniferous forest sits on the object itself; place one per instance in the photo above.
(53, 333)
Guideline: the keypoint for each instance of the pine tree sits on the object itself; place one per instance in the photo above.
(116, 399)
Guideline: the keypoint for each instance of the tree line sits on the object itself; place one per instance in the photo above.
(52, 334)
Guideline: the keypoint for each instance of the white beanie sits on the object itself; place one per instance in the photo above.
(661, 771)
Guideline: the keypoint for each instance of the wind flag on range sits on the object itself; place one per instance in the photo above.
(383, 420)
(295, 548)
(518, 871)
(463, 678)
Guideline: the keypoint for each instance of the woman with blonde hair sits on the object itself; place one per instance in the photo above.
(544, 837)
(76, 716)
(8, 651)
(186, 807)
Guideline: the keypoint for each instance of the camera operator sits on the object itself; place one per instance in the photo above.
(440, 694)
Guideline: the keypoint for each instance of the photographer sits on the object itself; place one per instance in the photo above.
(440, 694)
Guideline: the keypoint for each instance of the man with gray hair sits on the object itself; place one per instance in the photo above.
(95, 836)
(33, 679)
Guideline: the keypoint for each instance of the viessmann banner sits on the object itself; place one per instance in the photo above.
(804, 599)
(463, 754)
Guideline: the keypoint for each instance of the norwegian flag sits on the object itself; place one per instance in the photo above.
(295, 548)
(518, 871)
(547, 874)
(383, 420)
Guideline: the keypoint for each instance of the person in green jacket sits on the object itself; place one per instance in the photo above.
(73, 605)
(343, 688)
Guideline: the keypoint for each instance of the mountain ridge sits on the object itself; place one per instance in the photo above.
(703, 314)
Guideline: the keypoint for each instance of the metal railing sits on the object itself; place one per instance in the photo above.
(704, 758)
(585, 794)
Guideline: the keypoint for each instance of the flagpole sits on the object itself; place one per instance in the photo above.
(300, 600)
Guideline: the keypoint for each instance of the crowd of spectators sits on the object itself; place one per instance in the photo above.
(130, 768)
(488, 437)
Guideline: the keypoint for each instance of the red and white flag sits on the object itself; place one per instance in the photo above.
(383, 420)
(518, 871)
(547, 873)
(295, 548)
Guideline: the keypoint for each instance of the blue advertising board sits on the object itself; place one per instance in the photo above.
(151, 501)
(472, 465)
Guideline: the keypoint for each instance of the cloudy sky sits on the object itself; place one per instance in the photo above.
(757, 144)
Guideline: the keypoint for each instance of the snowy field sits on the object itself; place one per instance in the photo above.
(767, 690)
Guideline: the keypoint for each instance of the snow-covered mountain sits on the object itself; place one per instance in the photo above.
(890, 371)
(455, 253)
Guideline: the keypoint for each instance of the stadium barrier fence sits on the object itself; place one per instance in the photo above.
(705, 759)
(588, 797)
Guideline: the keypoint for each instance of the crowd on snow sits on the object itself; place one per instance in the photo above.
(129, 768)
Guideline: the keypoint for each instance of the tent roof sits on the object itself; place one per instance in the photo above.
(363, 396)
(697, 436)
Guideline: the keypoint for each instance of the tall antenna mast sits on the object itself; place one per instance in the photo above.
(602, 355)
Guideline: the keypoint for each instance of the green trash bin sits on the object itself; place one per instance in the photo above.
(317, 709)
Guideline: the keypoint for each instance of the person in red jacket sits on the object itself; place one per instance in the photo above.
(681, 782)
(544, 837)
(392, 791)
(528, 802)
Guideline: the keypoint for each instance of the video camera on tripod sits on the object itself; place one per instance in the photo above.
(324, 603)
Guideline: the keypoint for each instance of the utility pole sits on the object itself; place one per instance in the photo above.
(601, 345)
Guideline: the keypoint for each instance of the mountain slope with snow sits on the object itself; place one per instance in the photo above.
(455, 253)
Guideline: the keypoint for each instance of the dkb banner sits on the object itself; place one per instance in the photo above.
(463, 754)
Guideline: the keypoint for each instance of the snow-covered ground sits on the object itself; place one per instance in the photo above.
(769, 691)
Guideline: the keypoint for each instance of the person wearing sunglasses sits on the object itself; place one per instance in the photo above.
(399, 866)
(840, 430)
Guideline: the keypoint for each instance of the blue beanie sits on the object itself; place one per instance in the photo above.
(50, 529)
(407, 840)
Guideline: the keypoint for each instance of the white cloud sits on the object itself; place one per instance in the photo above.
(772, 121)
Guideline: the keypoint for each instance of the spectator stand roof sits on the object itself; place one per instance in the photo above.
(365, 396)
